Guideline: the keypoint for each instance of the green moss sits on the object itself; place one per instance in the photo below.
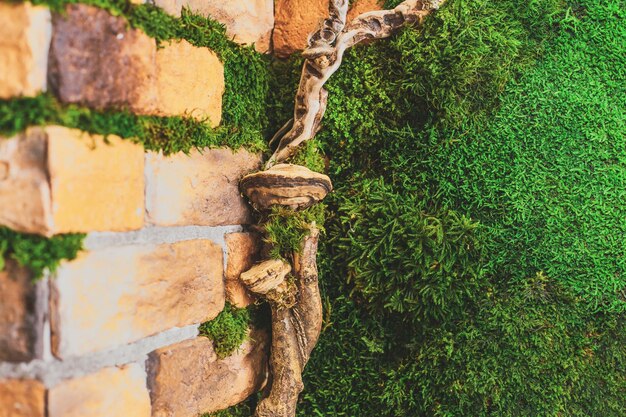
(228, 330)
(310, 155)
(285, 228)
(36, 252)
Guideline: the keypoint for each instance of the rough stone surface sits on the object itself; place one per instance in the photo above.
(25, 32)
(199, 188)
(60, 180)
(243, 251)
(247, 22)
(110, 392)
(22, 398)
(97, 60)
(187, 379)
(19, 323)
(25, 201)
(119, 295)
(190, 81)
(95, 184)
(296, 19)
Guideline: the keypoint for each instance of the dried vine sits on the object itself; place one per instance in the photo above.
(291, 287)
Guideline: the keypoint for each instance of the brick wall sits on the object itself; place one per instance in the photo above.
(115, 332)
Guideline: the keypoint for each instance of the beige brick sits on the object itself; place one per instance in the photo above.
(25, 32)
(187, 379)
(97, 60)
(189, 81)
(22, 398)
(247, 22)
(111, 392)
(243, 251)
(296, 19)
(62, 180)
(20, 326)
(115, 296)
(201, 188)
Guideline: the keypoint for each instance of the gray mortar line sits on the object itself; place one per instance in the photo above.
(51, 372)
(156, 235)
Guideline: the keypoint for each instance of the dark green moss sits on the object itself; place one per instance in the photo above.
(228, 330)
(36, 252)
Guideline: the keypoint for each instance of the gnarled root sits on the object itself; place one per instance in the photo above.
(295, 332)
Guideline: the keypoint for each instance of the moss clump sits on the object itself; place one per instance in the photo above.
(228, 330)
(285, 228)
(36, 252)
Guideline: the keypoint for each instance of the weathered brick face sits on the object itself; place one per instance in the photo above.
(116, 296)
(22, 398)
(243, 251)
(24, 41)
(201, 188)
(20, 323)
(187, 379)
(62, 180)
(98, 61)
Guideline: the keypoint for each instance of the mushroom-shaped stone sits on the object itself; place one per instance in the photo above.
(266, 276)
(287, 185)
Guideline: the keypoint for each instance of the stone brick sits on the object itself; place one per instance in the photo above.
(247, 22)
(187, 379)
(62, 180)
(110, 392)
(201, 188)
(25, 32)
(22, 398)
(243, 251)
(119, 295)
(97, 60)
(20, 322)
(296, 19)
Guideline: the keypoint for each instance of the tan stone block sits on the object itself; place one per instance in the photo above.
(201, 188)
(247, 22)
(96, 184)
(22, 398)
(190, 81)
(20, 326)
(97, 60)
(111, 392)
(61, 180)
(294, 20)
(187, 379)
(119, 295)
(25, 32)
(243, 251)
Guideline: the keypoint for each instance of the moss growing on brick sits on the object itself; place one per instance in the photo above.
(36, 252)
(228, 330)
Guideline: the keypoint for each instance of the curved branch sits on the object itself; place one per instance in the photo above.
(324, 56)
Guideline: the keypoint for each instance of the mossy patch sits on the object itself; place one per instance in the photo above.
(286, 228)
(36, 252)
(228, 330)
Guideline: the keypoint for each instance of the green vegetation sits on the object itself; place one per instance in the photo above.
(36, 252)
(285, 228)
(228, 330)
(473, 263)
